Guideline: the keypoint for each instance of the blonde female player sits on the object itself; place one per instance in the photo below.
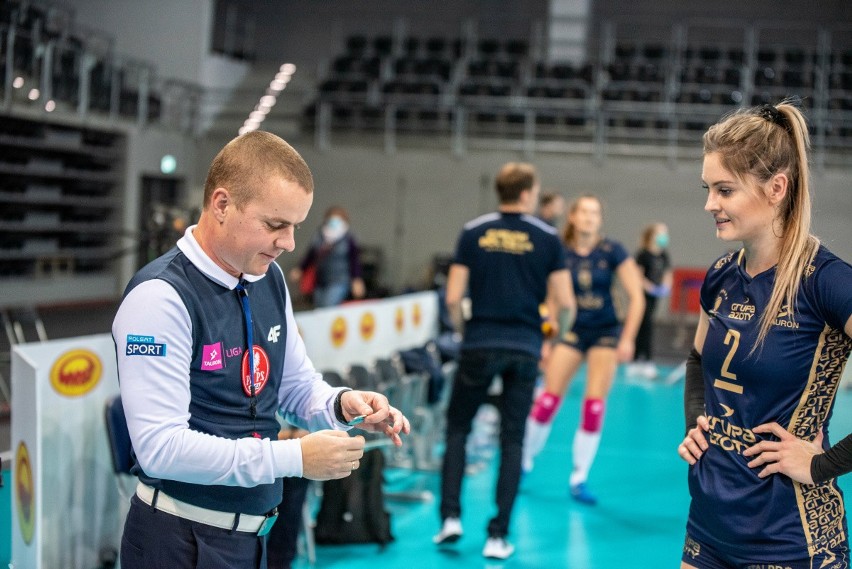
(597, 336)
(772, 340)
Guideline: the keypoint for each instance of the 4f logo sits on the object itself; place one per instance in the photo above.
(274, 333)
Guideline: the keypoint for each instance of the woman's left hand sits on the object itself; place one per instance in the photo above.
(788, 455)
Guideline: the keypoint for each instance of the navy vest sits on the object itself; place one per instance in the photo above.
(219, 402)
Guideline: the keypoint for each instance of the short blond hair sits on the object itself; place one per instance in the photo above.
(246, 162)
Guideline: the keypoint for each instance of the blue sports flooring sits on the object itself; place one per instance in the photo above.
(639, 479)
(640, 482)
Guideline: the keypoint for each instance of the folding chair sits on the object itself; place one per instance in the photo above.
(119, 443)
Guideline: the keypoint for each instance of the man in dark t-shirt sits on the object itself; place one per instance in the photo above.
(508, 261)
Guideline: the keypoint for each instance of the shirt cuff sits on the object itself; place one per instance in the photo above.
(287, 455)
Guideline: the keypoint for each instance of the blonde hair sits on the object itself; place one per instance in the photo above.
(245, 163)
(761, 142)
(568, 234)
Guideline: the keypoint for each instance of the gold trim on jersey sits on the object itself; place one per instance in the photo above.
(820, 505)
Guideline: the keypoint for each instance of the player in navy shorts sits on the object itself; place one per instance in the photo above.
(597, 336)
(769, 351)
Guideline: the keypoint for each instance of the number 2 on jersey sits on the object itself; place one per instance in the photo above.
(732, 338)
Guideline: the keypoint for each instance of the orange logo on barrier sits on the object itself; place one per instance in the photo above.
(76, 372)
(338, 331)
(416, 315)
(400, 319)
(368, 325)
(25, 492)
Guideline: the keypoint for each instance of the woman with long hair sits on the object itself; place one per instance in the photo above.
(772, 339)
(597, 337)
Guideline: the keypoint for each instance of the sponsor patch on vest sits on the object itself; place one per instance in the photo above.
(261, 370)
(144, 346)
(211, 357)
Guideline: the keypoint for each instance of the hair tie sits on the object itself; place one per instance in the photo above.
(773, 115)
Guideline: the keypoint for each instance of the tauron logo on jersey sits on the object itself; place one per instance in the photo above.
(785, 318)
(261, 370)
(741, 310)
(144, 346)
(211, 357)
(506, 241)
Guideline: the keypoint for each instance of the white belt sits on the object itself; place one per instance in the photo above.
(215, 518)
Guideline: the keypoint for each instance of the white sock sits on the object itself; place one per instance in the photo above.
(535, 437)
(585, 448)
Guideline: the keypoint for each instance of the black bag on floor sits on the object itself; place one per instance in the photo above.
(353, 508)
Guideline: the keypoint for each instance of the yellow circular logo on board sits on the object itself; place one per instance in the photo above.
(25, 492)
(399, 319)
(76, 373)
(338, 331)
(416, 315)
(368, 325)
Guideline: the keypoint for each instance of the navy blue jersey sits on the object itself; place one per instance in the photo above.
(790, 379)
(509, 257)
(593, 275)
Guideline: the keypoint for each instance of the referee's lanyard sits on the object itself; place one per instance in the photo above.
(244, 300)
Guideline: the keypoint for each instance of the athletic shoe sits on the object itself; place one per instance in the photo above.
(649, 370)
(450, 532)
(497, 548)
(580, 492)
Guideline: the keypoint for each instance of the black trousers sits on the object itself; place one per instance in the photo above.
(281, 543)
(645, 335)
(470, 389)
(156, 540)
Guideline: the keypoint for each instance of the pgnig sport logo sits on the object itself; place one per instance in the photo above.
(76, 372)
(25, 492)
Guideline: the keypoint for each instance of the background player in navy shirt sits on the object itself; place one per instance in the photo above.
(508, 261)
(772, 340)
(594, 261)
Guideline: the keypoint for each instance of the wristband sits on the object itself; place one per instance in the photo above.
(338, 406)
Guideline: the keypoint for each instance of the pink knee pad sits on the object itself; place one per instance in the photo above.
(593, 413)
(545, 407)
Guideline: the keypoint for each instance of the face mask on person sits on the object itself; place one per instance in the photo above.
(662, 240)
(334, 228)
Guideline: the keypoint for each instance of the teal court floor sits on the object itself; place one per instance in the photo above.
(640, 481)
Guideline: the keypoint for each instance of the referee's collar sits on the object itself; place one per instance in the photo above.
(196, 255)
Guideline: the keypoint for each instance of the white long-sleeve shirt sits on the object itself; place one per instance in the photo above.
(156, 392)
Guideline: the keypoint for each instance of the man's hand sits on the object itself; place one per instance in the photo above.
(328, 455)
(379, 416)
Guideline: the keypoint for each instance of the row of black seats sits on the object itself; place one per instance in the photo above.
(359, 45)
